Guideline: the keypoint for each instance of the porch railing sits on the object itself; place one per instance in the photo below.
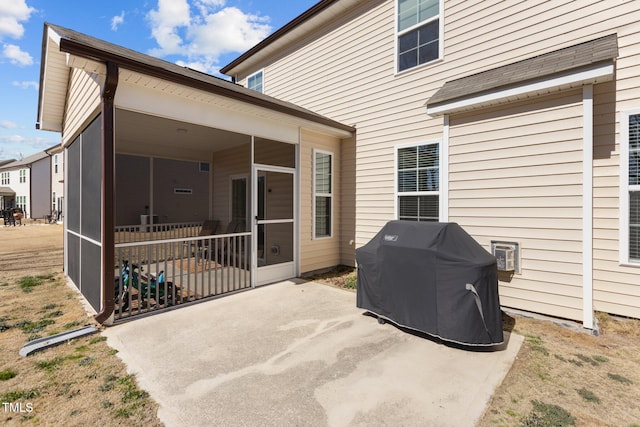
(146, 232)
(154, 275)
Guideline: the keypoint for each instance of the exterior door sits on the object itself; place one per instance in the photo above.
(274, 240)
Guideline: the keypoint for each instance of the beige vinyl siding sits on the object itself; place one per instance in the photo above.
(515, 174)
(347, 195)
(228, 163)
(346, 71)
(616, 288)
(321, 253)
(83, 102)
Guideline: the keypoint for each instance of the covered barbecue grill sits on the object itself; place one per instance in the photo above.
(433, 278)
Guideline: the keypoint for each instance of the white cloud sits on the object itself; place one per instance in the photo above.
(116, 21)
(12, 14)
(25, 84)
(8, 124)
(204, 31)
(12, 138)
(16, 55)
(170, 16)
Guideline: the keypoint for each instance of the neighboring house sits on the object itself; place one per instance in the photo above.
(517, 120)
(56, 155)
(7, 195)
(25, 184)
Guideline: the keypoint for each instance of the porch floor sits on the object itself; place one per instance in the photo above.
(301, 353)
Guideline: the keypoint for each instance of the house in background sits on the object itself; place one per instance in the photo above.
(56, 154)
(517, 120)
(26, 184)
(7, 195)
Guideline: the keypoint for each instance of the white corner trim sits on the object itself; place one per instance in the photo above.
(587, 207)
(596, 74)
(444, 171)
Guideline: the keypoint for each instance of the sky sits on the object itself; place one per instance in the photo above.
(201, 34)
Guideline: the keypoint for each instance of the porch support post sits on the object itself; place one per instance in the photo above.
(254, 216)
(108, 190)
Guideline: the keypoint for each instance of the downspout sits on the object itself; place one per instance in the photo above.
(108, 187)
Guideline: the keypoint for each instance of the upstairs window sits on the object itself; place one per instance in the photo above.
(23, 175)
(419, 38)
(4, 180)
(254, 82)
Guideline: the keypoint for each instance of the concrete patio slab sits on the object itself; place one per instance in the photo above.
(302, 354)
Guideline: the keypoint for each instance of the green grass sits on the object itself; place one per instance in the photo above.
(587, 359)
(19, 395)
(620, 378)
(29, 327)
(588, 395)
(7, 374)
(51, 364)
(28, 283)
(548, 415)
(95, 340)
(535, 343)
(351, 281)
(4, 324)
(131, 391)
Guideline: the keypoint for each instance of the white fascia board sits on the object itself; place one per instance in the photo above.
(598, 74)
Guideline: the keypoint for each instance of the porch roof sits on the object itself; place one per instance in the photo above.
(7, 191)
(588, 62)
(70, 44)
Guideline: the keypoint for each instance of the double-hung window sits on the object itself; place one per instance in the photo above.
(5, 180)
(255, 82)
(23, 175)
(419, 32)
(418, 180)
(322, 193)
(632, 128)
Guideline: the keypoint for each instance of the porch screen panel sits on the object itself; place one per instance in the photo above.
(132, 188)
(72, 218)
(73, 253)
(91, 181)
(91, 273)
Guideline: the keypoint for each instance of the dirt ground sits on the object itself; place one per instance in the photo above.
(562, 375)
(79, 383)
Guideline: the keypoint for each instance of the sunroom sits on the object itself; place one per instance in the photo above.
(181, 186)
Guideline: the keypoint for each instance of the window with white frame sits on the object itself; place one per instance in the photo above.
(418, 178)
(4, 178)
(21, 202)
(55, 163)
(418, 38)
(633, 132)
(23, 175)
(322, 193)
(254, 82)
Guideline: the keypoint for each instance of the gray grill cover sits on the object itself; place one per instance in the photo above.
(434, 278)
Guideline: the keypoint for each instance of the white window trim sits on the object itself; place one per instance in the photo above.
(261, 71)
(398, 33)
(314, 194)
(442, 177)
(625, 188)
